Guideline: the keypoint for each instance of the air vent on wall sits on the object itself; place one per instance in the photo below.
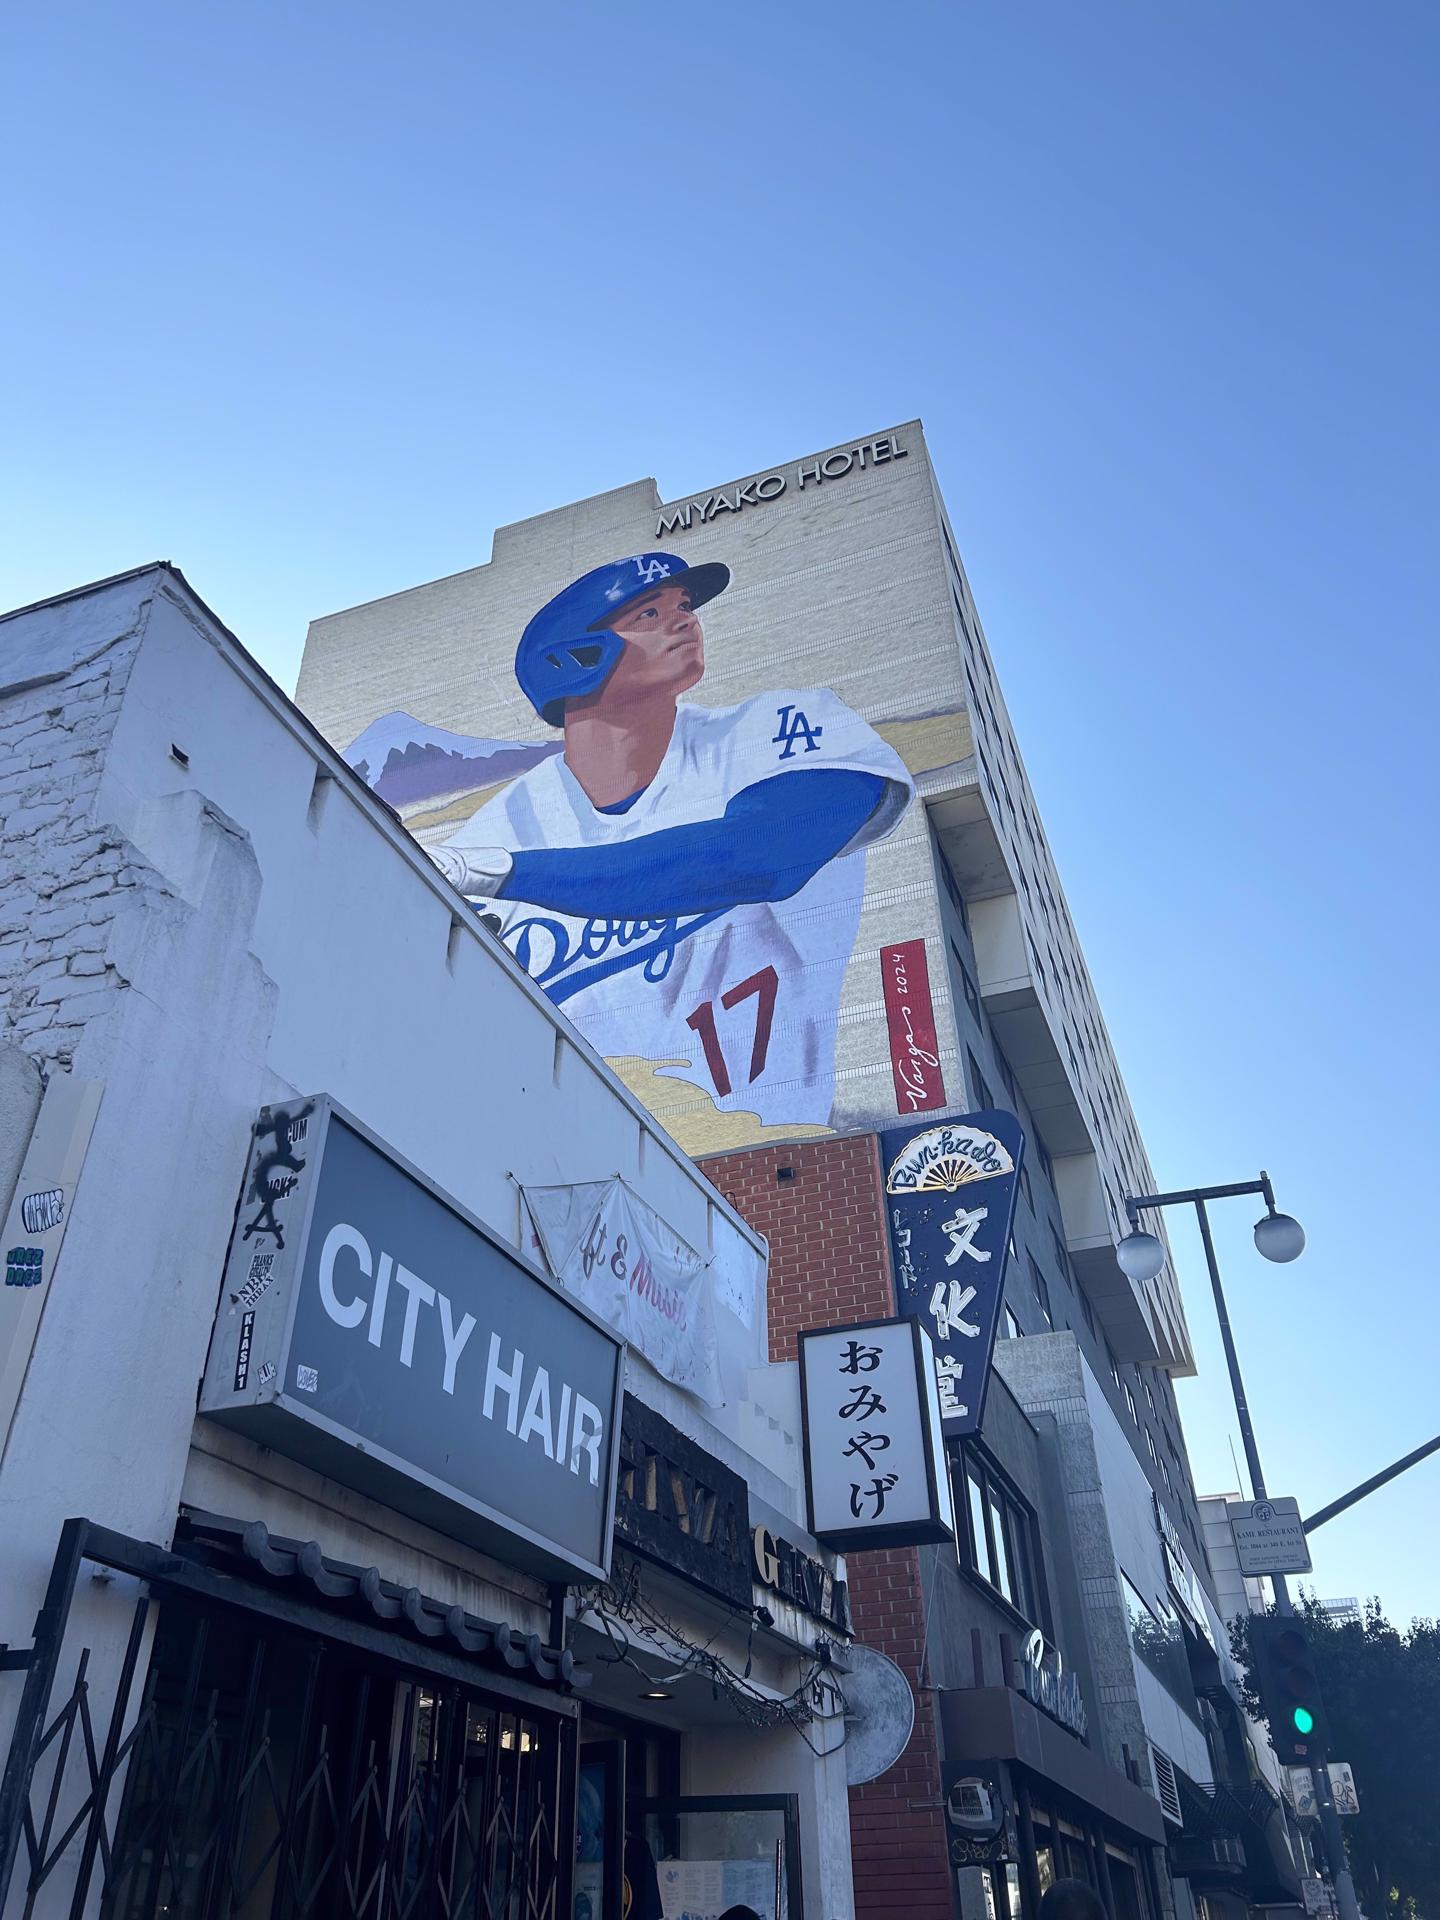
(1168, 1792)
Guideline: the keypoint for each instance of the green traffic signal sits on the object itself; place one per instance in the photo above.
(1304, 1720)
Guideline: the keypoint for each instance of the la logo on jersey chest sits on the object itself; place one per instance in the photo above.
(792, 727)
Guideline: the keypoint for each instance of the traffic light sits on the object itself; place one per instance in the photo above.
(1289, 1688)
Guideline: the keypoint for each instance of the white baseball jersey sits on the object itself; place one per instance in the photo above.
(743, 1001)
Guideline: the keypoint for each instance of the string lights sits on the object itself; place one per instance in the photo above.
(625, 1611)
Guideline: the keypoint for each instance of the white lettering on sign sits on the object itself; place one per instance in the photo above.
(751, 493)
(962, 1229)
(948, 1301)
(568, 1426)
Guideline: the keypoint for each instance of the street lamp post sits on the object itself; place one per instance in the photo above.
(1281, 1238)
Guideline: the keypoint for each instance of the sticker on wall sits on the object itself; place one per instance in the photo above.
(24, 1266)
(35, 1227)
(42, 1211)
(257, 1281)
(242, 1351)
(950, 1200)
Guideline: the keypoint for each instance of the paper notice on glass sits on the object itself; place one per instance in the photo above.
(704, 1889)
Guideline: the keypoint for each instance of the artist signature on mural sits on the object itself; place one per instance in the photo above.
(910, 1016)
(911, 1062)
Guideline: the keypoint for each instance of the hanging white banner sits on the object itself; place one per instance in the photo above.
(614, 1253)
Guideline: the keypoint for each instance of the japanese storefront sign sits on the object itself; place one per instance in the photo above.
(375, 1330)
(679, 1506)
(874, 1455)
(783, 1568)
(950, 1200)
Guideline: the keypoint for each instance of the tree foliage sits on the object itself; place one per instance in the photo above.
(1382, 1694)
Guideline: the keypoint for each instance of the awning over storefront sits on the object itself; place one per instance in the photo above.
(248, 1547)
(983, 1724)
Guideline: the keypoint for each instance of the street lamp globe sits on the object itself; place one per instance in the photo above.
(1141, 1256)
(1280, 1237)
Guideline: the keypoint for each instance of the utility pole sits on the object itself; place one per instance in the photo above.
(1278, 1237)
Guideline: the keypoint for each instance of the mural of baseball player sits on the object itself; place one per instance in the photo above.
(685, 880)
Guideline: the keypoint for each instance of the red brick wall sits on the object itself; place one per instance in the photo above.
(829, 1263)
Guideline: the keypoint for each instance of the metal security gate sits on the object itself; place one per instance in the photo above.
(269, 1772)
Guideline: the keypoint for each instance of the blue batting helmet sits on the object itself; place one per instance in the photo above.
(570, 648)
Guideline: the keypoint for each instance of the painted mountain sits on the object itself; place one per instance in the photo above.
(409, 764)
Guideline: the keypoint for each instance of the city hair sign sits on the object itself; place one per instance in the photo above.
(374, 1329)
(702, 508)
(950, 1203)
(875, 1471)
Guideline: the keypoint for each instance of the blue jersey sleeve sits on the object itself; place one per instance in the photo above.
(771, 839)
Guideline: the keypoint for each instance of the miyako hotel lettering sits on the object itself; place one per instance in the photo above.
(770, 486)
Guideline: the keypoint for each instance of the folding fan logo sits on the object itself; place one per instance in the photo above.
(943, 1159)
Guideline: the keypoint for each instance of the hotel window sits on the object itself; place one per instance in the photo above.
(1042, 1291)
(1150, 1448)
(1130, 1405)
(979, 1085)
(1013, 1328)
(1062, 1256)
(1006, 1075)
(1089, 1313)
(1025, 1186)
(999, 1536)
(972, 997)
(1149, 1396)
(957, 899)
(1114, 1366)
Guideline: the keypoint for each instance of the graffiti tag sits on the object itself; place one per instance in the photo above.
(277, 1172)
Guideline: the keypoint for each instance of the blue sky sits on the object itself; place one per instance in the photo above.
(309, 299)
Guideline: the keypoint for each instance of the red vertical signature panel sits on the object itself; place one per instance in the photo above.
(914, 1053)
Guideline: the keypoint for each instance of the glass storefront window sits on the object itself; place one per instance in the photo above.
(1003, 1578)
(725, 1851)
(1045, 1867)
(1000, 1537)
(979, 1533)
